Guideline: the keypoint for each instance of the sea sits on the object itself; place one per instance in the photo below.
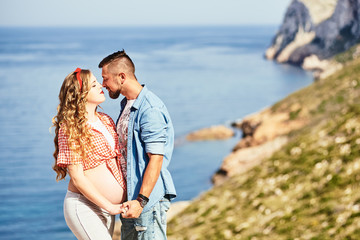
(206, 75)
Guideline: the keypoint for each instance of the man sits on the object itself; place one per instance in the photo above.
(146, 139)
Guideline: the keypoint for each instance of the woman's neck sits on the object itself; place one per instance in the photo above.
(91, 113)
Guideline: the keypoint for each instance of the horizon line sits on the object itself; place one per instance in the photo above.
(140, 25)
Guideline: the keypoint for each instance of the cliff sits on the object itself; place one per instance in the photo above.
(316, 30)
(307, 188)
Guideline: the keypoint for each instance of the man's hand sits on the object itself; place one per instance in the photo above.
(134, 209)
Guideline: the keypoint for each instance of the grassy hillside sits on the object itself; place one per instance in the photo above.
(308, 190)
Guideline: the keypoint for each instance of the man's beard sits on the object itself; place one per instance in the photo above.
(114, 95)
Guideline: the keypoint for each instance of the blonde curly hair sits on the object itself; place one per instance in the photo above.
(71, 118)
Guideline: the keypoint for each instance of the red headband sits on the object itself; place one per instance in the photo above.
(77, 71)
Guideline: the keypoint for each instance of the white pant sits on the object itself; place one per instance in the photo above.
(86, 220)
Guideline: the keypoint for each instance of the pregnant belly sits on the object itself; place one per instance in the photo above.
(105, 182)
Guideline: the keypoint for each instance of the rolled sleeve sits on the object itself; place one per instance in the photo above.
(154, 131)
(155, 148)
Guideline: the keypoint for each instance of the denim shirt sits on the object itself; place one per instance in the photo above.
(150, 130)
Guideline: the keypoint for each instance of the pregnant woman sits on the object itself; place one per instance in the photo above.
(86, 148)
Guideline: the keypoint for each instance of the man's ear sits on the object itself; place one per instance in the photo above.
(122, 77)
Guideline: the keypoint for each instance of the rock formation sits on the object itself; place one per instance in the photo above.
(321, 28)
(219, 132)
(263, 134)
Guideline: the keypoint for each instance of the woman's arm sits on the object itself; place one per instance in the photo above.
(82, 183)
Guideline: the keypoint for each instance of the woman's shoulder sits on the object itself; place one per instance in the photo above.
(105, 117)
(62, 128)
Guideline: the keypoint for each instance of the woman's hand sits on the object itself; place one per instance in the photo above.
(115, 209)
(85, 186)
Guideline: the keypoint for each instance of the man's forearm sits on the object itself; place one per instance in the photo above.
(150, 178)
(151, 174)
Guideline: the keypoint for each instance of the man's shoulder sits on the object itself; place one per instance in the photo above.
(153, 100)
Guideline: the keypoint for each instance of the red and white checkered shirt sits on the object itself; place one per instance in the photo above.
(101, 151)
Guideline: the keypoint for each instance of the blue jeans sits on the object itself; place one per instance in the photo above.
(150, 225)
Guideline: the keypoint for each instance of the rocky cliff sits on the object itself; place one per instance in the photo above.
(316, 28)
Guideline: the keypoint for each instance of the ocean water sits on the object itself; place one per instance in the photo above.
(205, 75)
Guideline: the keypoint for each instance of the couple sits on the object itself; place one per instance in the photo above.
(114, 169)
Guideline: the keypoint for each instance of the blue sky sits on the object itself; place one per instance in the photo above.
(140, 12)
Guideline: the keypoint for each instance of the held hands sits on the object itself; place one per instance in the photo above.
(131, 209)
(116, 209)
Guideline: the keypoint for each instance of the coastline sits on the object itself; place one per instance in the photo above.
(280, 127)
(307, 188)
(264, 133)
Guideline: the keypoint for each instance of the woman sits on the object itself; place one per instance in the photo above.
(86, 147)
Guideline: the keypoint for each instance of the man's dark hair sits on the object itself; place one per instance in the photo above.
(119, 55)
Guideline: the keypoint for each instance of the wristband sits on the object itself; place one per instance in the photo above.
(142, 200)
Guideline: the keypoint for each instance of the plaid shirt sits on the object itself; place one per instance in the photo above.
(101, 151)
